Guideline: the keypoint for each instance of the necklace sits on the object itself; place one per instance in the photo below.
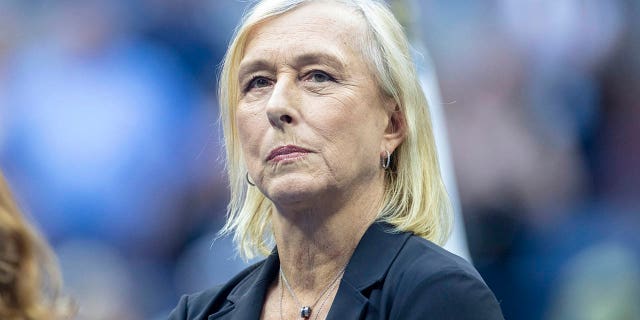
(326, 297)
(305, 311)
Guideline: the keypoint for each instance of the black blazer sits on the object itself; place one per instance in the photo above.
(390, 276)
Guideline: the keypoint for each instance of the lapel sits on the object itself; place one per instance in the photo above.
(248, 297)
(369, 264)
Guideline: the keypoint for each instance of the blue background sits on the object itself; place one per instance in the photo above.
(109, 138)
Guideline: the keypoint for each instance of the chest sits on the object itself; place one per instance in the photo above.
(279, 304)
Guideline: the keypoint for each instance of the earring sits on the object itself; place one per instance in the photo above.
(386, 161)
(249, 180)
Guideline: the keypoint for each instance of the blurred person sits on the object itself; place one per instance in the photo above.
(197, 32)
(331, 158)
(609, 266)
(30, 283)
(103, 138)
(542, 131)
(110, 115)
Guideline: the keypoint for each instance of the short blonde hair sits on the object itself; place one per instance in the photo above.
(30, 282)
(415, 198)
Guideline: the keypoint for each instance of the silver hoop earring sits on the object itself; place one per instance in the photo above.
(386, 161)
(249, 180)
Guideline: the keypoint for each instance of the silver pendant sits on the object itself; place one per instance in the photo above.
(305, 312)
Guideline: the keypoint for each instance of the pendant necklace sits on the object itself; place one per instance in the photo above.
(305, 310)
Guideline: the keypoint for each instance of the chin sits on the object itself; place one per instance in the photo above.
(293, 190)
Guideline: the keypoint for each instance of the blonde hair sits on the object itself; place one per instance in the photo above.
(30, 283)
(415, 198)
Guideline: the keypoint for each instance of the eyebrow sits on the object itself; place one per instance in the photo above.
(325, 58)
(252, 66)
(299, 61)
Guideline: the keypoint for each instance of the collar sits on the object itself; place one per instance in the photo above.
(374, 254)
(369, 264)
(248, 296)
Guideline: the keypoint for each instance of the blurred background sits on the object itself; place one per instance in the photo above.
(109, 138)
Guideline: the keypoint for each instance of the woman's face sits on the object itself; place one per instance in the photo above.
(311, 119)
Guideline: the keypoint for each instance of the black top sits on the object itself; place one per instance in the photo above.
(390, 276)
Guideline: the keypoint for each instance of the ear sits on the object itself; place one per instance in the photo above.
(396, 130)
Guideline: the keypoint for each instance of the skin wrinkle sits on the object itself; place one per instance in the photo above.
(309, 28)
(345, 100)
(324, 200)
(252, 67)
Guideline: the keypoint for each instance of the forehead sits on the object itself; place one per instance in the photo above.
(323, 25)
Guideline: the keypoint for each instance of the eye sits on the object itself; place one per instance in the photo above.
(319, 76)
(257, 83)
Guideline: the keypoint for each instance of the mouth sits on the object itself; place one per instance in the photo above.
(286, 152)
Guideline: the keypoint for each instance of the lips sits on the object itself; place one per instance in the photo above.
(286, 152)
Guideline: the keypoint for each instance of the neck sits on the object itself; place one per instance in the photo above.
(315, 243)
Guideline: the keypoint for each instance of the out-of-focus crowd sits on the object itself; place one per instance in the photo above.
(110, 140)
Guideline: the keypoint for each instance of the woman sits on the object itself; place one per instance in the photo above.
(29, 279)
(331, 156)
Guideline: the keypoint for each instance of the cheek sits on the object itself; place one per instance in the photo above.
(351, 131)
(250, 130)
(353, 118)
(333, 115)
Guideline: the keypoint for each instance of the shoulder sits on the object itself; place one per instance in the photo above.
(422, 258)
(200, 304)
(428, 278)
(190, 306)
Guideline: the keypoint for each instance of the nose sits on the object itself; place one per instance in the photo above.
(281, 106)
